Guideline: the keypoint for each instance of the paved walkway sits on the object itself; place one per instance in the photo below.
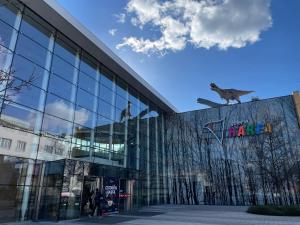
(184, 215)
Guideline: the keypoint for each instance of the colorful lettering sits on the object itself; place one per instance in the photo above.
(231, 132)
(250, 129)
(241, 131)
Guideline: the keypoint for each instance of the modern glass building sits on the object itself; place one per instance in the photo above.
(74, 117)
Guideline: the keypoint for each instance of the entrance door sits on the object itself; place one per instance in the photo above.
(90, 185)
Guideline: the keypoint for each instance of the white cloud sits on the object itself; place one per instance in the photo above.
(121, 18)
(202, 23)
(112, 32)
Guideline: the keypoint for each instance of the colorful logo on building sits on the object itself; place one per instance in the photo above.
(248, 129)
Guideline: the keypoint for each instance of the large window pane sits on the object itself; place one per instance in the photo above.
(57, 127)
(6, 33)
(8, 12)
(107, 78)
(61, 88)
(106, 94)
(66, 49)
(28, 71)
(121, 88)
(53, 149)
(58, 107)
(31, 50)
(105, 109)
(85, 99)
(63, 69)
(88, 65)
(84, 117)
(36, 28)
(20, 117)
(133, 97)
(121, 103)
(5, 59)
(87, 83)
(28, 95)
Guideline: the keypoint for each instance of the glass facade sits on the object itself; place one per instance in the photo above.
(67, 124)
(70, 125)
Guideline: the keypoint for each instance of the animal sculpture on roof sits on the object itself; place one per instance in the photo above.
(229, 94)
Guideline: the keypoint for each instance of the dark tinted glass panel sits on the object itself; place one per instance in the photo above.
(35, 28)
(6, 33)
(61, 88)
(8, 12)
(20, 117)
(84, 117)
(85, 99)
(59, 107)
(105, 109)
(63, 69)
(28, 95)
(28, 71)
(66, 49)
(57, 127)
(31, 50)
(119, 115)
(106, 94)
(87, 83)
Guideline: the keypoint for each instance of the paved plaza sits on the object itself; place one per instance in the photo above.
(183, 215)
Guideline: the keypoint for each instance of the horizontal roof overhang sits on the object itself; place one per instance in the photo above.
(58, 17)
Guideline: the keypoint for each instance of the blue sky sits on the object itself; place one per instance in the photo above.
(248, 44)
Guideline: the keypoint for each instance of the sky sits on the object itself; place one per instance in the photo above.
(180, 46)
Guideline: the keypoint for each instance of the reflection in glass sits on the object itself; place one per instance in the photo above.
(29, 95)
(87, 83)
(60, 108)
(105, 109)
(61, 88)
(36, 28)
(5, 59)
(86, 100)
(25, 69)
(88, 65)
(121, 89)
(31, 50)
(6, 33)
(106, 79)
(53, 126)
(64, 69)
(84, 117)
(20, 117)
(8, 13)
(66, 49)
(106, 94)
